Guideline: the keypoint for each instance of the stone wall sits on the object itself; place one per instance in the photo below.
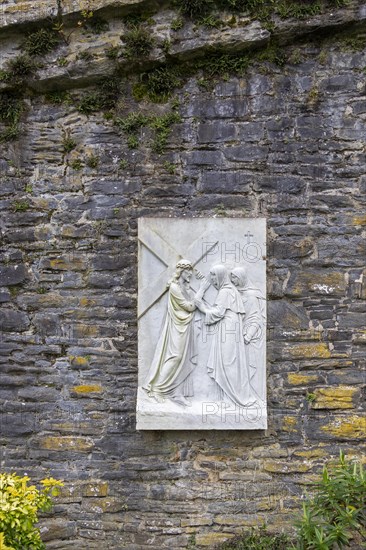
(283, 140)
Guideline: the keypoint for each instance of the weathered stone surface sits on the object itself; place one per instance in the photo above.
(281, 142)
(13, 321)
(56, 529)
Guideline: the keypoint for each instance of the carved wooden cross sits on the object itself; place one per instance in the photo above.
(169, 256)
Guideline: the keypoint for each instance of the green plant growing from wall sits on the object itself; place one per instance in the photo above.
(18, 69)
(68, 143)
(134, 122)
(96, 24)
(201, 10)
(76, 164)
(92, 161)
(211, 22)
(195, 8)
(20, 504)
(113, 52)
(102, 99)
(58, 97)
(91, 102)
(166, 45)
(170, 167)
(336, 513)
(163, 126)
(85, 55)
(20, 206)
(161, 83)
(138, 43)
(11, 108)
(157, 85)
(298, 10)
(131, 125)
(62, 62)
(310, 397)
(313, 97)
(137, 18)
(41, 42)
(177, 24)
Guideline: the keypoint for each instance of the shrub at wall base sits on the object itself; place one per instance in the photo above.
(19, 507)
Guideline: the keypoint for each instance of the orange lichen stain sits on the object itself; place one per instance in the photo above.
(92, 388)
(84, 302)
(359, 220)
(212, 538)
(339, 397)
(312, 453)
(67, 443)
(191, 522)
(286, 467)
(300, 379)
(79, 361)
(86, 331)
(41, 204)
(352, 427)
(231, 520)
(289, 424)
(70, 426)
(51, 300)
(309, 351)
(66, 264)
(96, 489)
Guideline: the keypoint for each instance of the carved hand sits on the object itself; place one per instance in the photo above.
(199, 304)
(204, 285)
(198, 274)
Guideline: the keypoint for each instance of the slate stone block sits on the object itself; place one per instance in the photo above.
(39, 394)
(5, 296)
(251, 131)
(103, 186)
(105, 262)
(341, 82)
(12, 274)
(13, 321)
(281, 184)
(225, 182)
(16, 425)
(204, 157)
(216, 132)
(58, 528)
(287, 315)
(246, 152)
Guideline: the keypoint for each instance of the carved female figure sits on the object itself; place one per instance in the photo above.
(253, 326)
(176, 353)
(227, 363)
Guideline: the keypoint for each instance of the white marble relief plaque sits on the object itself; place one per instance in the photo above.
(202, 324)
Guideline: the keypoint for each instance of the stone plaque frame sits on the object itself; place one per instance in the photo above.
(202, 324)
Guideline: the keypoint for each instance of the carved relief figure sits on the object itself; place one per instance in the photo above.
(227, 362)
(253, 326)
(176, 353)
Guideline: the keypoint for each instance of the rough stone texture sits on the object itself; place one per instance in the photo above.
(282, 143)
